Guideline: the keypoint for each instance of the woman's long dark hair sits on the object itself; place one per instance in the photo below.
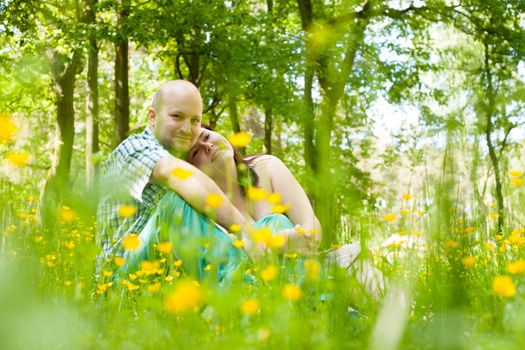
(246, 176)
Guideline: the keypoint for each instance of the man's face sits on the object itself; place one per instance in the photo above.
(177, 122)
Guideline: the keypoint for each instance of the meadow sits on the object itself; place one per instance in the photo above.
(451, 281)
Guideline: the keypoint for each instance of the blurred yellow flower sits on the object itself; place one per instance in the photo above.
(239, 139)
(280, 208)
(149, 267)
(257, 194)
(238, 243)
(517, 231)
(516, 267)
(493, 216)
(119, 261)
(250, 307)
(268, 273)
(164, 247)
(312, 268)
(468, 262)
(517, 181)
(235, 228)
(451, 244)
(102, 288)
(107, 273)
(291, 292)
(131, 242)
(274, 198)
(18, 159)
(503, 286)
(517, 239)
(420, 212)
(489, 246)
(276, 241)
(515, 173)
(8, 129)
(187, 296)
(470, 230)
(207, 267)
(181, 173)
(66, 214)
(177, 263)
(127, 211)
(405, 212)
(261, 235)
(153, 288)
(389, 217)
(214, 200)
(407, 197)
(131, 287)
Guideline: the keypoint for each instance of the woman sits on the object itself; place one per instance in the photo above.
(246, 181)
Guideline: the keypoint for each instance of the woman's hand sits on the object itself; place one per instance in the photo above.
(300, 241)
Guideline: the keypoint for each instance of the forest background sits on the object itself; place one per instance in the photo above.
(400, 118)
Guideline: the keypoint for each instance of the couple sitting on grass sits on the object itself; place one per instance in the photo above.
(192, 188)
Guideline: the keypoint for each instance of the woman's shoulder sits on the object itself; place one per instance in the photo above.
(261, 160)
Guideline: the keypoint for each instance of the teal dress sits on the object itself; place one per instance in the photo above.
(206, 251)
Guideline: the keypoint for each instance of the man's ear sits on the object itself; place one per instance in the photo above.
(151, 117)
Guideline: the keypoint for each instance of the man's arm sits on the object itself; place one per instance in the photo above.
(195, 189)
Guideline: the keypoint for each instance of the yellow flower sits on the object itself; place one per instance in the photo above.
(451, 244)
(153, 288)
(517, 231)
(261, 235)
(181, 173)
(276, 241)
(489, 246)
(468, 262)
(131, 287)
(102, 288)
(389, 217)
(503, 286)
(131, 242)
(269, 273)
(515, 173)
(493, 216)
(470, 230)
(187, 296)
(107, 273)
(214, 200)
(517, 181)
(66, 214)
(274, 198)
(405, 212)
(420, 212)
(207, 267)
(235, 228)
(257, 194)
(517, 240)
(8, 129)
(119, 261)
(280, 208)
(250, 307)
(312, 268)
(407, 197)
(291, 292)
(148, 267)
(238, 243)
(18, 159)
(516, 267)
(177, 263)
(127, 210)
(239, 139)
(164, 247)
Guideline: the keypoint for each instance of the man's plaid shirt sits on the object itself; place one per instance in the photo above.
(125, 181)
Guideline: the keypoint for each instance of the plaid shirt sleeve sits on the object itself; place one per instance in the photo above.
(125, 181)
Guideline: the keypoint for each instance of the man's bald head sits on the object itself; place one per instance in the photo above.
(175, 115)
(179, 87)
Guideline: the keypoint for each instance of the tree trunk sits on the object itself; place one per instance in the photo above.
(121, 79)
(268, 122)
(92, 142)
(64, 74)
(489, 110)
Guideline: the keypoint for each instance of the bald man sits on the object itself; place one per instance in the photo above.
(147, 184)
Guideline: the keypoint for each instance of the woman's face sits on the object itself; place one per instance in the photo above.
(211, 153)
